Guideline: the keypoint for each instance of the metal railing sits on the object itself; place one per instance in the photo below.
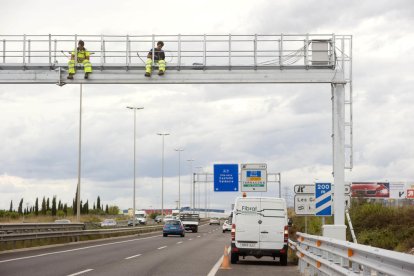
(182, 51)
(326, 256)
(38, 227)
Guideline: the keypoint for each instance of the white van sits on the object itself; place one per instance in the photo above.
(141, 216)
(259, 228)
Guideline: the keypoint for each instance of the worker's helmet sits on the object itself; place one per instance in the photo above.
(81, 43)
(160, 43)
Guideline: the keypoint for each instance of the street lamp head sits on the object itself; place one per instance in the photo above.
(179, 149)
(163, 134)
(190, 160)
(133, 107)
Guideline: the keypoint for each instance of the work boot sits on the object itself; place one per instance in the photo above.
(147, 74)
(86, 75)
(160, 73)
(70, 77)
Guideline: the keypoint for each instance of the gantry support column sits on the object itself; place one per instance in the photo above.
(338, 230)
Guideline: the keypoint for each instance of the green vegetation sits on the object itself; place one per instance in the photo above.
(374, 224)
(51, 210)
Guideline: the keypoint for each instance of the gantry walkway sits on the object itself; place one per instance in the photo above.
(307, 58)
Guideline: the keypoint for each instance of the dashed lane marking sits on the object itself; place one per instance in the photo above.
(80, 272)
(127, 258)
(162, 247)
(179, 242)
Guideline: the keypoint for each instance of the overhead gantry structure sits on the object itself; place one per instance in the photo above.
(201, 59)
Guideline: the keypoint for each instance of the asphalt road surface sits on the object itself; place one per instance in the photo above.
(151, 254)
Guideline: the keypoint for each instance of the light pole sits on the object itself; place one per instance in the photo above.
(162, 173)
(191, 183)
(179, 150)
(135, 135)
(198, 188)
(79, 158)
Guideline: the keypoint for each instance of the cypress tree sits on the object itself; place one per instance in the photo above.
(54, 206)
(44, 206)
(60, 207)
(65, 209)
(47, 205)
(36, 207)
(11, 206)
(107, 209)
(20, 210)
(98, 203)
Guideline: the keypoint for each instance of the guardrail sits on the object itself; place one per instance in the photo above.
(38, 227)
(326, 256)
(9, 241)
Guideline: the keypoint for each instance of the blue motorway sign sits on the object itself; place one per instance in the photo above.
(323, 199)
(226, 177)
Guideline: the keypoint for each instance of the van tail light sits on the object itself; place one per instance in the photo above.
(286, 234)
(233, 232)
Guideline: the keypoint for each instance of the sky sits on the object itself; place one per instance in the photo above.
(286, 126)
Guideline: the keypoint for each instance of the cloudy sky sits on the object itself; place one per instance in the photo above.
(286, 126)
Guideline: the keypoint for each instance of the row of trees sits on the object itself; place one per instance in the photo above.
(54, 208)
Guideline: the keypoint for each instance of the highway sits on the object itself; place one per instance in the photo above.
(151, 254)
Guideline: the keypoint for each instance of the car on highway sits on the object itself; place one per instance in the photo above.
(370, 189)
(168, 217)
(108, 222)
(173, 227)
(131, 222)
(158, 219)
(226, 226)
(214, 221)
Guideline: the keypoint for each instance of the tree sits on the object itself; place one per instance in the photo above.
(54, 206)
(20, 210)
(44, 206)
(11, 206)
(98, 203)
(60, 205)
(47, 205)
(37, 207)
(106, 209)
(113, 210)
(94, 205)
(65, 209)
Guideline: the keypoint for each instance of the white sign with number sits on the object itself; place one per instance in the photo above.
(253, 177)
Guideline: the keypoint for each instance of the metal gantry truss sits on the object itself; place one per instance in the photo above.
(282, 58)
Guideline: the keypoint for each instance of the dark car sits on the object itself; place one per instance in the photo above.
(173, 227)
(158, 219)
(370, 189)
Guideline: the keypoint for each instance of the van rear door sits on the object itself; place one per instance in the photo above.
(273, 217)
(246, 220)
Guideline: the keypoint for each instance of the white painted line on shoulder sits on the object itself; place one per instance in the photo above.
(179, 242)
(162, 247)
(190, 239)
(80, 272)
(216, 267)
(127, 258)
(76, 249)
(198, 236)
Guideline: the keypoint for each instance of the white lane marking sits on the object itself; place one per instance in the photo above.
(162, 247)
(216, 267)
(198, 236)
(127, 258)
(80, 272)
(190, 239)
(76, 249)
(179, 242)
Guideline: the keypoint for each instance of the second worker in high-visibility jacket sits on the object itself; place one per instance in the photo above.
(83, 57)
(159, 58)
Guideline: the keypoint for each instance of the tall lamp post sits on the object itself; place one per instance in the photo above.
(179, 150)
(200, 169)
(79, 158)
(191, 184)
(135, 135)
(162, 173)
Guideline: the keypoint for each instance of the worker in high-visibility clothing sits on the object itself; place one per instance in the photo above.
(159, 58)
(83, 57)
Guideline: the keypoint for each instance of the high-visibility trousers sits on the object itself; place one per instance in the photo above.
(87, 66)
(148, 65)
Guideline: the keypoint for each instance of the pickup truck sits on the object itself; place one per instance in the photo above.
(190, 221)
